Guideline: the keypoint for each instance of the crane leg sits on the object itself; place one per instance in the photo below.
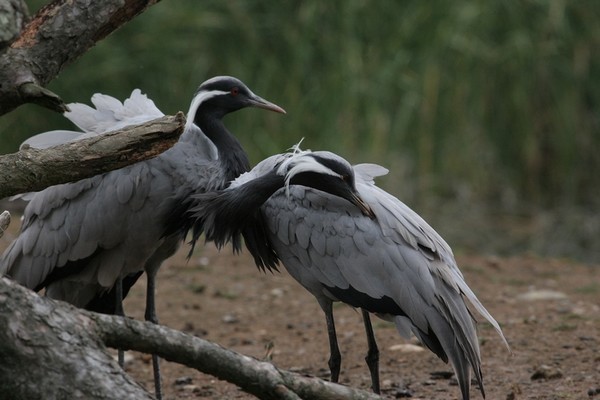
(119, 311)
(372, 357)
(151, 316)
(335, 358)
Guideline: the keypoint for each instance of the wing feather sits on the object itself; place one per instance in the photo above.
(71, 222)
(302, 235)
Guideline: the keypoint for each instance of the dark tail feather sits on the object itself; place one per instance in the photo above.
(452, 336)
(455, 328)
(223, 221)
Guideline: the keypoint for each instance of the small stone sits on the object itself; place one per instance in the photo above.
(441, 375)
(406, 348)
(230, 319)
(543, 294)
(546, 372)
(204, 261)
(183, 380)
(402, 393)
(204, 391)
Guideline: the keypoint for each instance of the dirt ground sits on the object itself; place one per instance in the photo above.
(549, 310)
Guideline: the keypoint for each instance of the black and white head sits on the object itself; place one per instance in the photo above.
(324, 171)
(221, 95)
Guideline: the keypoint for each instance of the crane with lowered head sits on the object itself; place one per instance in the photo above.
(345, 239)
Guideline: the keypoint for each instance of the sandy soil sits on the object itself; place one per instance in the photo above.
(549, 310)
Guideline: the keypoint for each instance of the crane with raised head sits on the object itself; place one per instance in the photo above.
(88, 242)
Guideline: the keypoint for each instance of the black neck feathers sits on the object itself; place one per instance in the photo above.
(233, 158)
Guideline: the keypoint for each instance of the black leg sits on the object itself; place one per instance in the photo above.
(151, 316)
(372, 357)
(119, 311)
(335, 358)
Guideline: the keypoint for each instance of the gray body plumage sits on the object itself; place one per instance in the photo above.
(394, 265)
(112, 221)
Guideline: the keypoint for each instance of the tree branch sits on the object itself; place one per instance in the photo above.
(48, 352)
(58, 34)
(259, 378)
(35, 169)
(51, 349)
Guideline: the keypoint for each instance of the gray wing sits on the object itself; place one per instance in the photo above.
(105, 222)
(109, 115)
(401, 223)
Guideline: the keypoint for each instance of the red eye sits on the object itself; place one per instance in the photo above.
(234, 91)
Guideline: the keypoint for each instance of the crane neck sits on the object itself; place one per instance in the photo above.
(250, 196)
(231, 154)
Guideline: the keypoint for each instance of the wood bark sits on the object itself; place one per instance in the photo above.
(13, 15)
(58, 34)
(35, 169)
(53, 350)
(48, 353)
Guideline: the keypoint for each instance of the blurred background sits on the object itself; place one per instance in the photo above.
(486, 113)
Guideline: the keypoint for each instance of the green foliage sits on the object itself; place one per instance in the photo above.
(492, 100)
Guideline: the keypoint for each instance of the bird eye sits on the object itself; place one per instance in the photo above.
(235, 91)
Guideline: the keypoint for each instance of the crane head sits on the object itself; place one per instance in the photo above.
(327, 172)
(221, 95)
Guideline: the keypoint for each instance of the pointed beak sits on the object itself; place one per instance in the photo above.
(364, 207)
(256, 101)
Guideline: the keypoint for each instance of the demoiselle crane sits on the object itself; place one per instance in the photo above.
(80, 240)
(345, 239)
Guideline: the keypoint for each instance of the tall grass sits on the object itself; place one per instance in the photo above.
(487, 101)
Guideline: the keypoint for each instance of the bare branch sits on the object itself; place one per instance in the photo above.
(35, 169)
(259, 378)
(45, 341)
(58, 34)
